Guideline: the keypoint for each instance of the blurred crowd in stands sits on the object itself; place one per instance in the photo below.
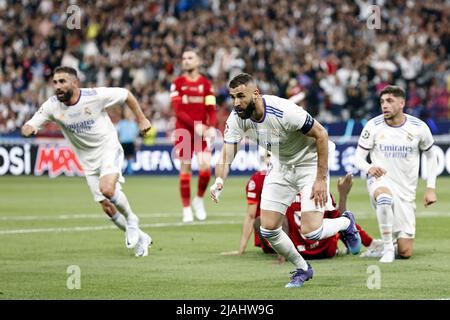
(330, 52)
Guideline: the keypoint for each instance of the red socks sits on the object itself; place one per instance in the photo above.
(203, 180)
(185, 189)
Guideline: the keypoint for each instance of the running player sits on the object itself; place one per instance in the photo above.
(81, 114)
(299, 146)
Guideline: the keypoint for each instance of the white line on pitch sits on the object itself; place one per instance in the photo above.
(98, 215)
(96, 228)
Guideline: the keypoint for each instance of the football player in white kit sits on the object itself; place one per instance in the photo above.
(394, 141)
(81, 114)
(299, 163)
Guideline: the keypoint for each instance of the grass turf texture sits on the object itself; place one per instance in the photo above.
(185, 260)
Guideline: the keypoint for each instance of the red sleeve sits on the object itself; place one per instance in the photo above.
(253, 189)
(210, 108)
(175, 97)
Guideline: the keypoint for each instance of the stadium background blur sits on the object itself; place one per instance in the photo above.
(324, 49)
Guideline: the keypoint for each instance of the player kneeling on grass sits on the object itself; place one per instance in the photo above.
(81, 114)
(299, 146)
(325, 248)
(394, 141)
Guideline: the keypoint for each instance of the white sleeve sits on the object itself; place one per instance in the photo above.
(41, 116)
(426, 139)
(366, 139)
(297, 119)
(360, 160)
(233, 132)
(431, 157)
(112, 96)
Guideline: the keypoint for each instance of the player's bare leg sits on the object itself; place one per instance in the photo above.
(185, 190)
(117, 218)
(271, 230)
(204, 175)
(108, 187)
(404, 248)
(315, 228)
(385, 216)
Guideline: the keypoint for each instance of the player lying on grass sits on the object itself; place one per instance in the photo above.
(81, 115)
(325, 248)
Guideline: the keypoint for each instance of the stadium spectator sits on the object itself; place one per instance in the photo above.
(134, 43)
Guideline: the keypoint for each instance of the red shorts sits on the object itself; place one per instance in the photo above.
(186, 143)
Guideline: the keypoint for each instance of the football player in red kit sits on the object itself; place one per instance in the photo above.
(194, 103)
(325, 248)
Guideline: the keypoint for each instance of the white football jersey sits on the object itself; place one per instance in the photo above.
(397, 150)
(281, 131)
(85, 124)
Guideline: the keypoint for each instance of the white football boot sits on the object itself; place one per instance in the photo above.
(132, 231)
(188, 217)
(375, 250)
(144, 243)
(388, 255)
(199, 208)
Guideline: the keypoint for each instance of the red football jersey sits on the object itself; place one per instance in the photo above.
(310, 248)
(253, 192)
(322, 248)
(191, 100)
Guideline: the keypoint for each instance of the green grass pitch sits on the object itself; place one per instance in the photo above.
(47, 225)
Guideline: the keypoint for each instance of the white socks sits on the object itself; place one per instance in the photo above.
(385, 217)
(283, 245)
(328, 228)
(119, 220)
(119, 199)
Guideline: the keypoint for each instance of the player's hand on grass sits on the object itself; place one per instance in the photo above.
(429, 197)
(231, 253)
(319, 192)
(28, 130)
(376, 172)
(216, 189)
(144, 126)
(345, 184)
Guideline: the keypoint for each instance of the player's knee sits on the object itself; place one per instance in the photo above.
(405, 253)
(107, 190)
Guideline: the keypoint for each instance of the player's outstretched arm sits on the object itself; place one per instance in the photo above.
(143, 123)
(430, 192)
(228, 153)
(344, 186)
(319, 191)
(28, 130)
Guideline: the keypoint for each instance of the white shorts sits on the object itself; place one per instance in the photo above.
(111, 162)
(282, 183)
(404, 211)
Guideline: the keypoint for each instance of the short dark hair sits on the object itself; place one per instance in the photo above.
(65, 69)
(241, 78)
(396, 91)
